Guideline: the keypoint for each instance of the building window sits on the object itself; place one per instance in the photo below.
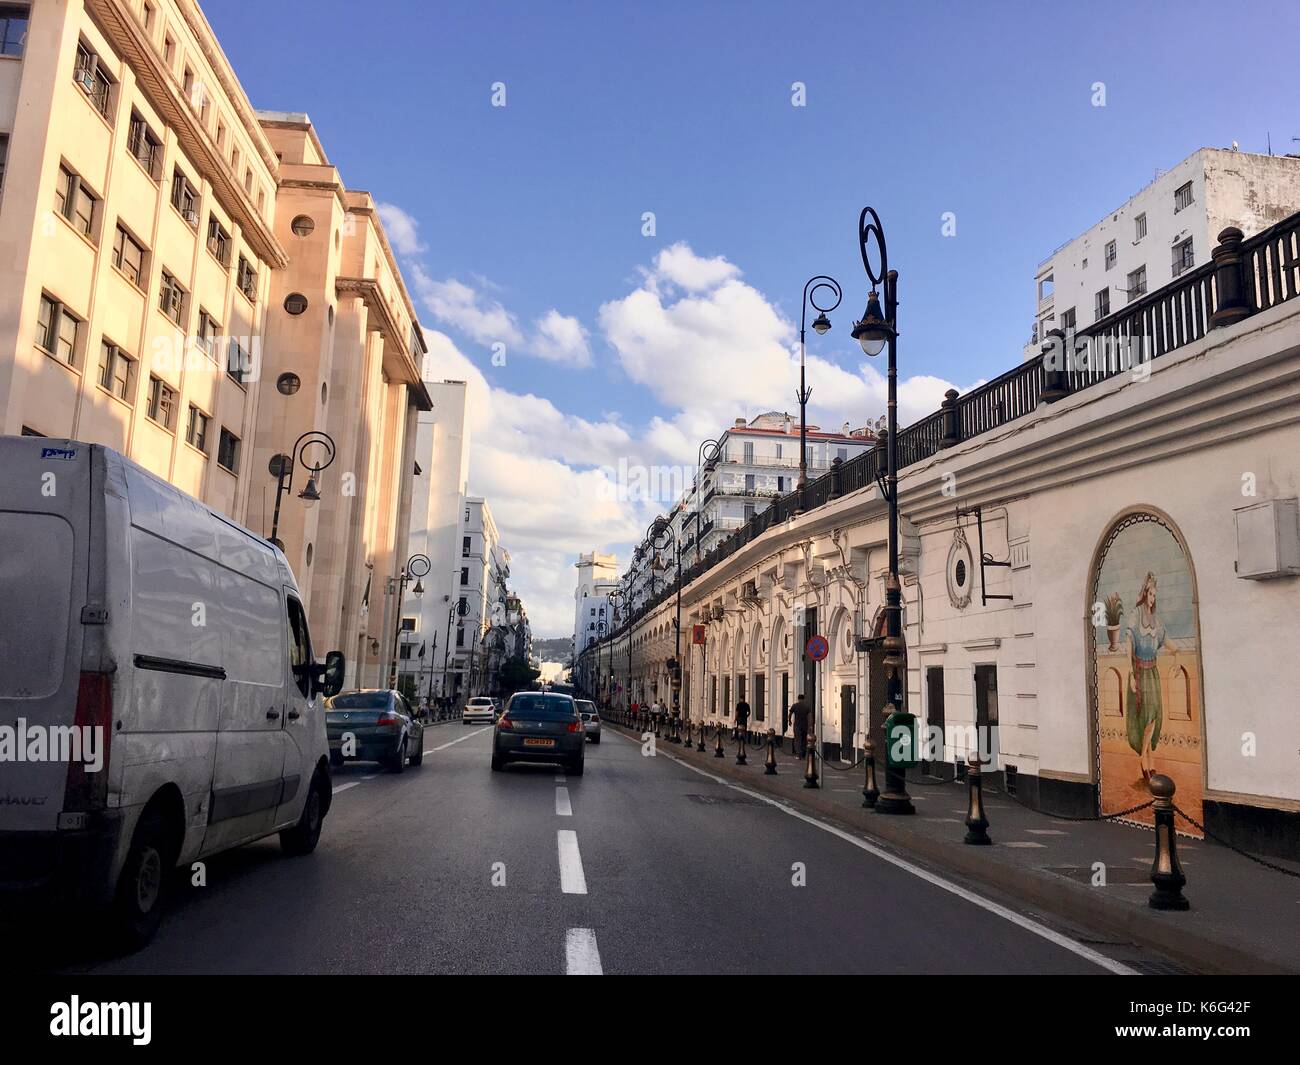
(4, 154)
(1067, 320)
(196, 432)
(97, 85)
(144, 144)
(1183, 256)
(221, 134)
(218, 241)
(75, 202)
(295, 303)
(1139, 227)
(13, 29)
(228, 451)
(171, 298)
(1182, 197)
(1137, 283)
(464, 545)
(464, 575)
(246, 279)
(169, 51)
(57, 330)
(128, 256)
(467, 513)
(302, 226)
(161, 407)
(1101, 305)
(460, 636)
(208, 333)
(116, 370)
(238, 363)
(1110, 254)
(149, 14)
(185, 198)
(462, 606)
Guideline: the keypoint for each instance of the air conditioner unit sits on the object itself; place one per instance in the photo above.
(749, 592)
(192, 217)
(86, 80)
(718, 612)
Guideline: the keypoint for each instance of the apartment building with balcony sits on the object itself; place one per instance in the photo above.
(137, 223)
(1161, 232)
(342, 357)
(592, 610)
(482, 593)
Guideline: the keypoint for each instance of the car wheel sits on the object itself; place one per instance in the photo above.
(336, 759)
(303, 837)
(596, 738)
(575, 770)
(498, 763)
(142, 888)
(398, 762)
(418, 757)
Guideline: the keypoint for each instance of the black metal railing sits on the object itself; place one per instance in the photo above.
(1244, 277)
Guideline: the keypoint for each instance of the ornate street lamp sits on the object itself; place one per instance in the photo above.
(878, 329)
(283, 467)
(829, 287)
(417, 566)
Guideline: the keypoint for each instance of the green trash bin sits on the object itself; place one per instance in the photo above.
(902, 746)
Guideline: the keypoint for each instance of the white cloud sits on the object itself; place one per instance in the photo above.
(682, 267)
(561, 338)
(402, 229)
(456, 304)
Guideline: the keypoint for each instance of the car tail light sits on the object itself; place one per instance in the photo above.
(595, 720)
(85, 790)
(504, 722)
(575, 726)
(387, 718)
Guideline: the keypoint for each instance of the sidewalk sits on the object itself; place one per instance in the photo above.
(1243, 918)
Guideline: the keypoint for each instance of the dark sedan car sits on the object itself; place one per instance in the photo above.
(374, 725)
(540, 727)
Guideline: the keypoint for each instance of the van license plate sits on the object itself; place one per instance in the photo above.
(531, 742)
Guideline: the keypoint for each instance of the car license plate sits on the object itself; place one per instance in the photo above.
(531, 741)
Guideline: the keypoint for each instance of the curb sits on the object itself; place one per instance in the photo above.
(1219, 955)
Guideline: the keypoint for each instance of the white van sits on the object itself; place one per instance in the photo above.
(174, 643)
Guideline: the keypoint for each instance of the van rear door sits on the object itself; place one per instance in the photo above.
(45, 491)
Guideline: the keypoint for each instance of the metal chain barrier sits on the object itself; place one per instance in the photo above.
(1067, 817)
(1224, 843)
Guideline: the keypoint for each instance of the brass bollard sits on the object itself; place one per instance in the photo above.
(1166, 873)
(688, 732)
(718, 752)
(700, 744)
(769, 765)
(740, 747)
(810, 770)
(977, 823)
(870, 793)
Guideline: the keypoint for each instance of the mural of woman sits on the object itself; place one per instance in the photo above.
(1144, 715)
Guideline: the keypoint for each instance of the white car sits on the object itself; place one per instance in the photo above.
(164, 650)
(480, 710)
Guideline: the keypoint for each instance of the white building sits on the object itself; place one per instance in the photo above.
(481, 586)
(597, 577)
(437, 531)
(1165, 229)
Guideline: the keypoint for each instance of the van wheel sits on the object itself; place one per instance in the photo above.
(303, 837)
(142, 887)
(398, 762)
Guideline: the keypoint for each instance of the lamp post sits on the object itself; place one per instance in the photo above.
(285, 466)
(711, 449)
(876, 331)
(821, 324)
(614, 596)
(677, 621)
(417, 566)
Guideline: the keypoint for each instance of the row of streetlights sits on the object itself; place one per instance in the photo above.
(875, 331)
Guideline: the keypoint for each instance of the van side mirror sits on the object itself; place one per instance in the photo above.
(328, 680)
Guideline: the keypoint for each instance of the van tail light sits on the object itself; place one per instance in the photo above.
(504, 722)
(86, 790)
(575, 726)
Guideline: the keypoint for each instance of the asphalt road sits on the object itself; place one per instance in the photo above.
(642, 865)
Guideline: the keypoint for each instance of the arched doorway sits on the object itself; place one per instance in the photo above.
(1145, 666)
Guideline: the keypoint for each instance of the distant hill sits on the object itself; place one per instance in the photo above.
(555, 649)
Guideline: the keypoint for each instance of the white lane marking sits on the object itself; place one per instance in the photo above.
(344, 787)
(572, 882)
(461, 739)
(563, 807)
(1020, 920)
(581, 958)
(560, 778)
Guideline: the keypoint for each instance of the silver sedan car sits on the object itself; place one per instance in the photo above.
(590, 719)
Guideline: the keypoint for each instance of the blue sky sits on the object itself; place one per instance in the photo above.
(523, 223)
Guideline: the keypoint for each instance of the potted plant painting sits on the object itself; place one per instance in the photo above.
(1114, 611)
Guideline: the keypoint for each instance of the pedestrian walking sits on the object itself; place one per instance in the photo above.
(800, 714)
(742, 716)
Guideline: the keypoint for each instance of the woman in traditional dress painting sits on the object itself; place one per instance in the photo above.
(1145, 713)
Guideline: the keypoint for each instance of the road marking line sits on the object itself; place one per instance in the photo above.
(572, 882)
(344, 787)
(1028, 924)
(461, 739)
(581, 958)
(563, 808)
